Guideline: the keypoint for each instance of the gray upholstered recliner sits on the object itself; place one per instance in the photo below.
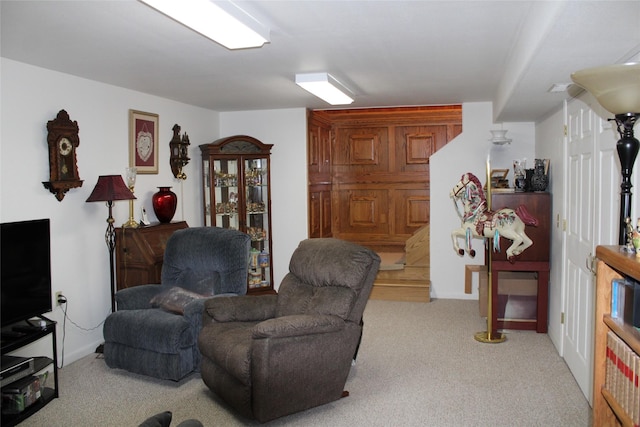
(273, 355)
(159, 338)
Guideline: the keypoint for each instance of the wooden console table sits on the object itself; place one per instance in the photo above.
(140, 252)
(533, 259)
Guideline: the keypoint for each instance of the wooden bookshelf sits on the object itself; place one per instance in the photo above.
(612, 263)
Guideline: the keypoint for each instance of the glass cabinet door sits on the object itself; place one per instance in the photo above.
(226, 197)
(206, 185)
(257, 219)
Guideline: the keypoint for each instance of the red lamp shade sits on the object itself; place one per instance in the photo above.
(110, 188)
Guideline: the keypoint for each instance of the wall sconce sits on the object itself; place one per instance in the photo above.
(179, 150)
(617, 89)
(325, 87)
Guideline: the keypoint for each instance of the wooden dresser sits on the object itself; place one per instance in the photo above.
(140, 252)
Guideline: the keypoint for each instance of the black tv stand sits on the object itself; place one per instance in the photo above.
(28, 328)
(20, 334)
(11, 336)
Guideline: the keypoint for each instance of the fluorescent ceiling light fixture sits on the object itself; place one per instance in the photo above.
(223, 22)
(324, 86)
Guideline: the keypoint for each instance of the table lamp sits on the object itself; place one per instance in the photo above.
(131, 174)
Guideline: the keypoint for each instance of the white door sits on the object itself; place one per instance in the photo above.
(580, 199)
(592, 210)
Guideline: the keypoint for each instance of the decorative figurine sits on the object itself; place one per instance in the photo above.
(479, 222)
(635, 238)
(629, 247)
(519, 174)
(540, 177)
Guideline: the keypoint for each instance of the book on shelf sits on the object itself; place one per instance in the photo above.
(636, 393)
(625, 301)
(622, 371)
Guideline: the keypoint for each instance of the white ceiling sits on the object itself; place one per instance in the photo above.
(388, 53)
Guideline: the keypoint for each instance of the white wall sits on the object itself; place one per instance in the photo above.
(287, 130)
(467, 153)
(31, 97)
(550, 145)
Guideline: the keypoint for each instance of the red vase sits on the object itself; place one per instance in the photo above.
(165, 203)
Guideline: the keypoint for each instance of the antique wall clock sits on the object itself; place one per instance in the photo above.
(63, 140)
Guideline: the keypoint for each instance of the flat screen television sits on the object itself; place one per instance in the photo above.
(25, 270)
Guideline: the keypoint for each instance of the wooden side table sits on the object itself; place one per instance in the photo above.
(542, 301)
(140, 252)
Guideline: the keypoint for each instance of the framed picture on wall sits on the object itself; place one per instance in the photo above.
(143, 141)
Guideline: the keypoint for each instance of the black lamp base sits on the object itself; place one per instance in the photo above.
(627, 147)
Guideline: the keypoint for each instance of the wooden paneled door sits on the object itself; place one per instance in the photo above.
(319, 176)
(320, 210)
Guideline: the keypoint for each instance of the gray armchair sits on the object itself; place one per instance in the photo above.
(155, 330)
(273, 355)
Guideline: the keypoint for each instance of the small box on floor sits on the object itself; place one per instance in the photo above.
(18, 396)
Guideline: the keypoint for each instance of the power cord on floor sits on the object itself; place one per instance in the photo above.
(63, 303)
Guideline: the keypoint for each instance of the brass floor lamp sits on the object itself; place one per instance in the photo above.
(489, 336)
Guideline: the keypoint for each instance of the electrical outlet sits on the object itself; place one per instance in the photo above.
(60, 299)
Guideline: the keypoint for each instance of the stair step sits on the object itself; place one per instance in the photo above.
(401, 290)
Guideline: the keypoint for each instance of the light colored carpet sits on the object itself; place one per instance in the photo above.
(418, 365)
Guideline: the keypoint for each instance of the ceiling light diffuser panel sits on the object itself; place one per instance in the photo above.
(325, 87)
(223, 22)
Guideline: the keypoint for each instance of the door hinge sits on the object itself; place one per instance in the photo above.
(562, 318)
(590, 264)
(565, 130)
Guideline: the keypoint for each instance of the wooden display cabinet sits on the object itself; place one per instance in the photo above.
(140, 252)
(612, 263)
(237, 195)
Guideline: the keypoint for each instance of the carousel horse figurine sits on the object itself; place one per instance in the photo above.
(479, 222)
